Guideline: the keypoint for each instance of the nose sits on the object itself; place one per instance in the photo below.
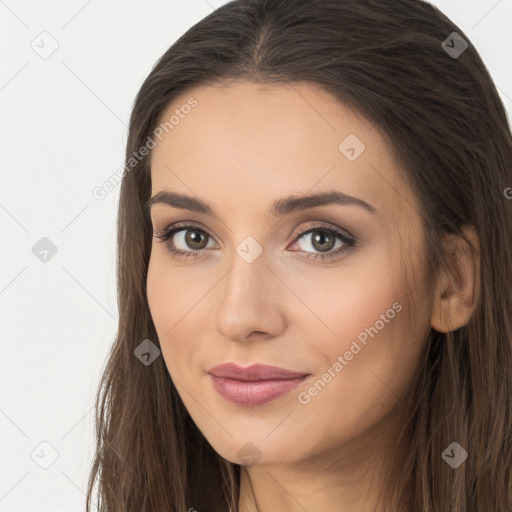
(250, 301)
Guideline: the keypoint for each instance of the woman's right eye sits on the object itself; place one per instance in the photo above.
(185, 240)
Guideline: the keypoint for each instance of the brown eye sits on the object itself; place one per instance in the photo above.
(323, 243)
(195, 239)
(186, 238)
(322, 240)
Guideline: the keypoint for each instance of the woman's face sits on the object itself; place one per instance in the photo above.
(250, 288)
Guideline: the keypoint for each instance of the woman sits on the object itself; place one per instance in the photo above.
(314, 239)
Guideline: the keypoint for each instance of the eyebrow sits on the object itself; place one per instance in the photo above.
(279, 208)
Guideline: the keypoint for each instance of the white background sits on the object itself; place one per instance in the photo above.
(63, 127)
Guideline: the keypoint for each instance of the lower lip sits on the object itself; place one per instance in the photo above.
(254, 392)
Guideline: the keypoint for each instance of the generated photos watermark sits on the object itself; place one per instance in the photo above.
(341, 361)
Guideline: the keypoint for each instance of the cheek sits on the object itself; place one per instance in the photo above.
(366, 311)
(371, 342)
(367, 302)
(175, 298)
(344, 302)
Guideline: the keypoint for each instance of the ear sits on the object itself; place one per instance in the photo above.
(458, 287)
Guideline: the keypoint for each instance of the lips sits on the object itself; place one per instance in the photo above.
(254, 385)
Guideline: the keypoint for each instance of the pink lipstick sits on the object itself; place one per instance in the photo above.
(254, 385)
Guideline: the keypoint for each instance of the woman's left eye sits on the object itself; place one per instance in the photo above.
(324, 239)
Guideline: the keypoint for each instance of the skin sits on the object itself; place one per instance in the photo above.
(243, 147)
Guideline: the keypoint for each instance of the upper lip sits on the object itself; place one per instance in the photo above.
(254, 372)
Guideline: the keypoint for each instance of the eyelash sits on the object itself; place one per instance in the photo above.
(349, 240)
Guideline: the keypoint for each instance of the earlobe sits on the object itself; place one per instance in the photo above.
(458, 288)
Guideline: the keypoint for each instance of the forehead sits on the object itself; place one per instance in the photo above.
(258, 143)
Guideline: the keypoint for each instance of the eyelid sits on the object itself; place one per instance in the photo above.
(318, 225)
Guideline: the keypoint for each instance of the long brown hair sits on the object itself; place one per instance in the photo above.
(390, 61)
